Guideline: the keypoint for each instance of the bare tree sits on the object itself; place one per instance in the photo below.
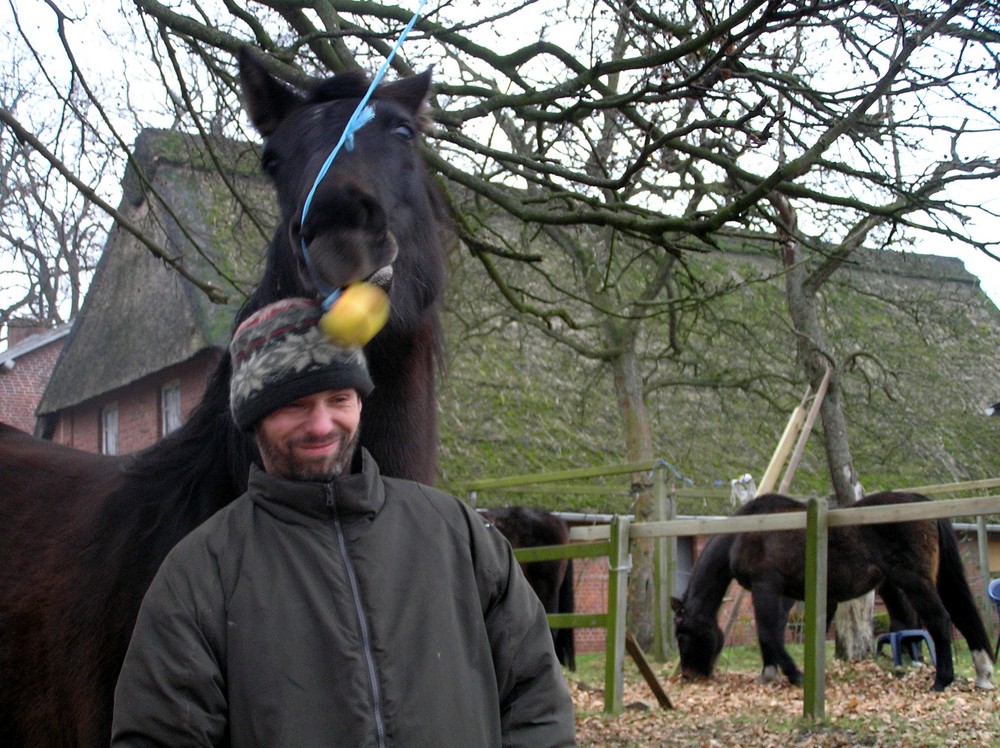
(591, 149)
(50, 236)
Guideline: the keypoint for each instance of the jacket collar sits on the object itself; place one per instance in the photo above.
(358, 493)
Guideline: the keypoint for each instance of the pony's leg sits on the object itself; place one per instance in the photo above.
(921, 593)
(901, 614)
(771, 616)
(957, 597)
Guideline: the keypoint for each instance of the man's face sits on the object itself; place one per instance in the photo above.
(312, 438)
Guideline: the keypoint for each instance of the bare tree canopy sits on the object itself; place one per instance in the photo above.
(664, 126)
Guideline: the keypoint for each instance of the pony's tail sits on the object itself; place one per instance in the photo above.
(953, 587)
(564, 644)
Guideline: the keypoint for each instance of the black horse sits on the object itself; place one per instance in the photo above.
(552, 581)
(82, 535)
(915, 564)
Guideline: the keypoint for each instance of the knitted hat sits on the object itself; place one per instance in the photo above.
(280, 355)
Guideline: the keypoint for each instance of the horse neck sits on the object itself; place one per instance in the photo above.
(399, 418)
(710, 577)
(199, 468)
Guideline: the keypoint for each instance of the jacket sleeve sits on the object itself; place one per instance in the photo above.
(536, 710)
(171, 690)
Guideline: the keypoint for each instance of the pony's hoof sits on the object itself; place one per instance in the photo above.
(796, 679)
(768, 675)
(984, 669)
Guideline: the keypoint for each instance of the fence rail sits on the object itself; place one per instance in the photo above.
(816, 521)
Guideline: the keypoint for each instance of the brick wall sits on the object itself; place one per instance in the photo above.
(590, 595)
(138, 406)
(21, 387)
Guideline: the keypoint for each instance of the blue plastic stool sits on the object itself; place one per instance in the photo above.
(993, 591)
(908, 637)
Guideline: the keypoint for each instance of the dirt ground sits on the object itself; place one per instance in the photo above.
(865, 705)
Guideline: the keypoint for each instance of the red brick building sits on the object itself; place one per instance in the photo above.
(25, 367)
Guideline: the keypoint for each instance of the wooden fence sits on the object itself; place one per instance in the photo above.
(612, 541)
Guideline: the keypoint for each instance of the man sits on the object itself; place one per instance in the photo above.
(329, 605)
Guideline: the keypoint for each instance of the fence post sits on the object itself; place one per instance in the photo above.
(983, 544)
(664, 570)
(619, 565)
(813, 705)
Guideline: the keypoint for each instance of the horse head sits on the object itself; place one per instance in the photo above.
(699, 641)
(369, 213)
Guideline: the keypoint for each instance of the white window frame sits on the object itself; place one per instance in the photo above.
(109, 429)
(170, 407)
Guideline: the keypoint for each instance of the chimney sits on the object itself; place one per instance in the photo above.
(20, 328)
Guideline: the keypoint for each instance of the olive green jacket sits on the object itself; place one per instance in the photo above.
(367, 611)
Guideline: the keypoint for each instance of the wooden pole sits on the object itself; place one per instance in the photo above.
(800, 445)
(813, 705)
(663, 566)
(619, 562)
(770, 478)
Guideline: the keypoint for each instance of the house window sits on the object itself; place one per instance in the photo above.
(109, 429)
(170, 408)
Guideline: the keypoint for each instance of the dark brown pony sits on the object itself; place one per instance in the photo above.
(916, 566)
(552, 581)
(82, 535)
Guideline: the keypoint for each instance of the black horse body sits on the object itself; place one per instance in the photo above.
(552, 581)
(82, 535)
(915, 565)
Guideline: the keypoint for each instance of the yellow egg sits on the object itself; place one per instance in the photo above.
(357, 315)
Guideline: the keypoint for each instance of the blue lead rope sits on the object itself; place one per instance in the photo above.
(363, 114)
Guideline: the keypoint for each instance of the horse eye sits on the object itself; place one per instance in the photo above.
(405, 131)
(269, 163)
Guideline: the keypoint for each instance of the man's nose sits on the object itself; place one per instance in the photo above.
(319, 419)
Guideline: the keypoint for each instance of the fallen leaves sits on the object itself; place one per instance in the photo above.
(865, 706)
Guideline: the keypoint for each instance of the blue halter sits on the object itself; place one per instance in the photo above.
(363, 114)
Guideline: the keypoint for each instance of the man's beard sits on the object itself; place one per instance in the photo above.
(283, 461)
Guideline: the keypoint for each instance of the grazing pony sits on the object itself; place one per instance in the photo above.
(82, 535)
(915, 564)
(552, 581)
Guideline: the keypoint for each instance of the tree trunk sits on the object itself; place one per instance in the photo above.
(855, 628)
(847, 486)
(853, 620)
(639, 445)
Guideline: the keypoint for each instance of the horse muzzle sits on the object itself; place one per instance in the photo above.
(335, 259)
(382, 278)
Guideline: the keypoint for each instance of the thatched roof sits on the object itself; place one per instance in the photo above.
(140, 316)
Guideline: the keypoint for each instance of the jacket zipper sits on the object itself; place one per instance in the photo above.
(366, 646)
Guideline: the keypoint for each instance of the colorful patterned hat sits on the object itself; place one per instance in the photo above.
(279, 355)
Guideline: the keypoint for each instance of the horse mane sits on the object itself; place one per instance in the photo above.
(352, 84)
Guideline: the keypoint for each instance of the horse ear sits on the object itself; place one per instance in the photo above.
(266, 99)
(410, 92)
